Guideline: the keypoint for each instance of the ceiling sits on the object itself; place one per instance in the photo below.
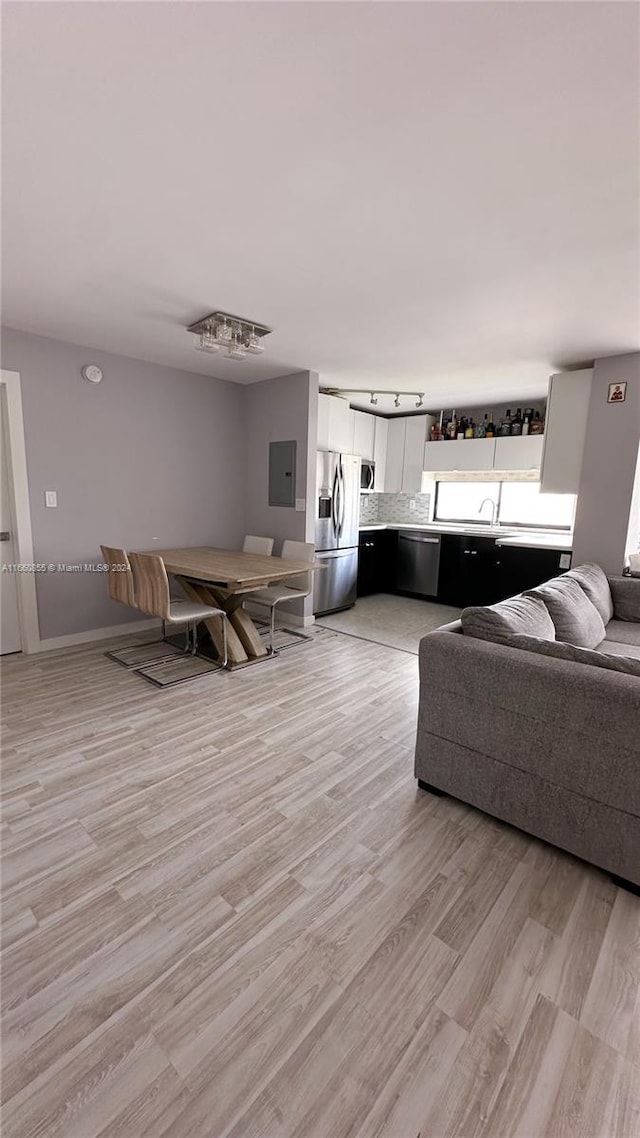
(437, 197)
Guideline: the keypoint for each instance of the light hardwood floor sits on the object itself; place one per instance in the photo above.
(228, 910)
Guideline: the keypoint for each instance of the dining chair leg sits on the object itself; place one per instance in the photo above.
(272, 629)
(224, 642)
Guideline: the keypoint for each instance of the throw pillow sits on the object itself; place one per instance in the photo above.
(501, 621)
(593, 580)
(626, 597)
(576, 620)
(576, 655)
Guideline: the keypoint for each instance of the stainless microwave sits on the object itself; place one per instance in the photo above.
(367, 476)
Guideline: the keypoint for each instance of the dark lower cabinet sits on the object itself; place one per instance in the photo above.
(468, 570)
(476, 571)
(520, 569)
(376, 552)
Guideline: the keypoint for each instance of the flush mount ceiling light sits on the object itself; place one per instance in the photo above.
(240, 337)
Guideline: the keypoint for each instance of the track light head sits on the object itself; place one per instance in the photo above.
(420, 402)
(396, 401)
(373, 400)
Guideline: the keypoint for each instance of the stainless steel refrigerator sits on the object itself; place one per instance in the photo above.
(337, 514)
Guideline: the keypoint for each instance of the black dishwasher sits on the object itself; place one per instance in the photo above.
(417, 563)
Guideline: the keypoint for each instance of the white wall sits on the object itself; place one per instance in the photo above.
(608, 466)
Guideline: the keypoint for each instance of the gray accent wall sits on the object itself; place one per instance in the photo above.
(277, 410)
(608, 466)
(150, 457)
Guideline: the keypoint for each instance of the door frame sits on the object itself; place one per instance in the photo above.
(11, 393)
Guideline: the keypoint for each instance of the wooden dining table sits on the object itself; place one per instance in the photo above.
(224, 578)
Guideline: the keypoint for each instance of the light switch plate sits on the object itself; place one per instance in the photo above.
(565, 560)
(51, 499)
(300, 505)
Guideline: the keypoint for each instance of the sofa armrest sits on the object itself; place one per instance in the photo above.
(625, 592)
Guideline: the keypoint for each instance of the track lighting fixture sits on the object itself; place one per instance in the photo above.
(420, 402)
(396, 401)
(373, 399)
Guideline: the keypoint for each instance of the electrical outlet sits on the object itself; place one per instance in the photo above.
(412, 503)
(300, 505)
(565, 560)
(51, 499)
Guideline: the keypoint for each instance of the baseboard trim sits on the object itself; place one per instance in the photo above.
(96, 634)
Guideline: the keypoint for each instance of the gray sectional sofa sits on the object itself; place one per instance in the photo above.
(530, 711)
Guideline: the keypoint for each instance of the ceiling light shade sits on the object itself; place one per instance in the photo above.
(206, 341)
(221, 329)
(254, 346)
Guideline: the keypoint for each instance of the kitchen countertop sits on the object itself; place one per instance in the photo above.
(524, 539)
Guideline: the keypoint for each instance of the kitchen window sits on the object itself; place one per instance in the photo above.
(515, 504)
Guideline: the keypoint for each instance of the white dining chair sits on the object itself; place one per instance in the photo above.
(154, 598)
(262, 545)
(292, 588)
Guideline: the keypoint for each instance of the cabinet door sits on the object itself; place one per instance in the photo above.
(381, 437)
(324, 421)
(395, 456)
(363, 434)
(520, 569)
(468, 570)
(341, 427)
(565, 430)
(518, 453)
(461, 454)
(414, 440)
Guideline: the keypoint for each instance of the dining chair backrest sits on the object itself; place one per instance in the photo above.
(299, 551)
(119, 576)
(263, 545)
(151, 584)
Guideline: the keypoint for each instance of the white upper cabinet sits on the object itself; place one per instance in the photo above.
(565, 430)
(395, 456)
(405, 451)
(363, 434)
(520, 452)
(381, 437)
(414, 441)
(460, 454)
(335, 424)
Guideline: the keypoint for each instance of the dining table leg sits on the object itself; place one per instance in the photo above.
(244, 642)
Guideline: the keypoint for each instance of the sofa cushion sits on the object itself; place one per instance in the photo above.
(611, 648)
(623, 632)
(593, 580)
(575, 619)
(563, 651)
(625, 592)
(516, 614)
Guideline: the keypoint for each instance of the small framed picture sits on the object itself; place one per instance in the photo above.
(617, 392)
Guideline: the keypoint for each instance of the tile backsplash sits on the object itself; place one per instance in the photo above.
(393, 508)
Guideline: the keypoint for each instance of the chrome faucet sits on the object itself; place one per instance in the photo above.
(494, 507)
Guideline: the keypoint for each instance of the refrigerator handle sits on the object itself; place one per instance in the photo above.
(342, 500)
(334, 504)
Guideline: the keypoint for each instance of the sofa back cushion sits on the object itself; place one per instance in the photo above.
(515, 615)
(575, 619)
(625, 592)
(562, 651)
(593, 580)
